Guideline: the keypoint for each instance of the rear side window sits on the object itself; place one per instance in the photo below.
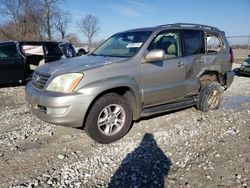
(193, 42)
(214, 43)
(8, 51)
(52, 49)
(32, 49)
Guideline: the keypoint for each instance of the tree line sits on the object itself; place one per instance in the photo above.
(42, 20)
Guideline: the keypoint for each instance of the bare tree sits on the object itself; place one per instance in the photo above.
(23, 19)
(31, 19)
(12, 10)
(62, 20)
(34, 18)
(49, 13)
(89, 25)
(73, 39)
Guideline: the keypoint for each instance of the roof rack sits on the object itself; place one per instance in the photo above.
(190, 25)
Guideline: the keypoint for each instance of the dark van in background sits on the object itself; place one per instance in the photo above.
(19, 59)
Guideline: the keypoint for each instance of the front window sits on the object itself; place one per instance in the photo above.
(169, 41)
(123, 44)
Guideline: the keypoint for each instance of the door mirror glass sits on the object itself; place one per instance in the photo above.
(155, 55)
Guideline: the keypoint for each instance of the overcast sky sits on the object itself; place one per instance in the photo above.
(232, 16)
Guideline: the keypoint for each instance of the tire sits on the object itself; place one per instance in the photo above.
(210, 96)
(109, 119)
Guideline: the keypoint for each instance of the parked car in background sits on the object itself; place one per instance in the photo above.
(245, 67)
(134, 74)
(19, 59)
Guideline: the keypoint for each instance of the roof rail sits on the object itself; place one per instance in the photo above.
(190, 25)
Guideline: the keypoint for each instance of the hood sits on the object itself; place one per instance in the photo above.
(77, 64)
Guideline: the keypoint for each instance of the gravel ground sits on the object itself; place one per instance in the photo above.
(186, 148)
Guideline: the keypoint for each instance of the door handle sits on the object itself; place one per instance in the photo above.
(180, 64)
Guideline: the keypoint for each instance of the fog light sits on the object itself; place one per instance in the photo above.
(56, 111)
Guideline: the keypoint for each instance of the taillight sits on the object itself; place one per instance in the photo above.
(231, 54)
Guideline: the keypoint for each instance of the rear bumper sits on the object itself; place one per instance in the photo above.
(58, 108)
(229, 77)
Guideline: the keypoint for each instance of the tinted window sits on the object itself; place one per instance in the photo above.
(193, 42)
(214, 44)
(8, 51)
(167, 41)
(52, 49)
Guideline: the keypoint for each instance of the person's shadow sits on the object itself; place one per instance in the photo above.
(147, 166)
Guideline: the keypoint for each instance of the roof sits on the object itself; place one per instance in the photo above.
(176, 26)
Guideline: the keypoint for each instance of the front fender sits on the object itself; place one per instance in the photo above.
(96, 88)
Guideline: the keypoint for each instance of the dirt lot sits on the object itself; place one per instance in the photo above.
(186, 148)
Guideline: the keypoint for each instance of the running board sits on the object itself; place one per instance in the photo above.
(168, 107)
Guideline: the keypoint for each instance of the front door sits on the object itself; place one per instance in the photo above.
(164, 81)
(11, 64)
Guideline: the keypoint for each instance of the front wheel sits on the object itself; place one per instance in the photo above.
(109, 119)
(210, 96)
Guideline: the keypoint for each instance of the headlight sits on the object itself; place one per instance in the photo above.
(244, 63)
(65, 83)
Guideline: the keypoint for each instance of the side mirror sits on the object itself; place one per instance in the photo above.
(155, 55)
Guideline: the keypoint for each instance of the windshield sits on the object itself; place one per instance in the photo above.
(123, 44)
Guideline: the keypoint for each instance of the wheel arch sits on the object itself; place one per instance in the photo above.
(210, 75)
(123, 86)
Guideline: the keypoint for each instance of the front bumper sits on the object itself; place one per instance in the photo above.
(58, 108)
(229, 77)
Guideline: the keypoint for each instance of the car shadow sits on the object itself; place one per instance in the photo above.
(146, 166)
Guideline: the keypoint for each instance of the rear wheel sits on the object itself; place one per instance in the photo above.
(210, 96)
(109, 118)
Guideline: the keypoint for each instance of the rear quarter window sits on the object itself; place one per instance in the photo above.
(193, 42)
(213, 43)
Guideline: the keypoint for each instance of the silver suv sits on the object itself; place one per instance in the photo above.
(135, 73)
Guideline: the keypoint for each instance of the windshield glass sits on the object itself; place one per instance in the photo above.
(123, 44)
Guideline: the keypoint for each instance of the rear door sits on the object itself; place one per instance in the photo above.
(11, 64)
(194, 51)
(164, 81)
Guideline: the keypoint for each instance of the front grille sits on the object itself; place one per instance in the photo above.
(39, 80)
